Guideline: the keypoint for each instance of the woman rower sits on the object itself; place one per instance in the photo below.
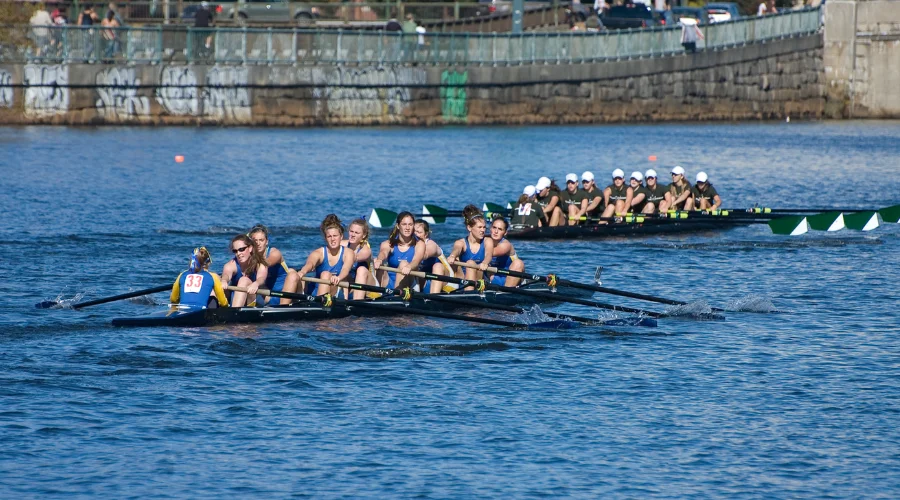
(197, 288)
(639, 202)
(401, 251)
(548, 198)
(330, 262)
(247, 269)
(279, 276)
(528, 212)
(474, 248)
(617, 195)
(681, 195)
(707, 196)
(433, 262)
(593, 193)
(656, 199)
(504, 256)
(358, 241)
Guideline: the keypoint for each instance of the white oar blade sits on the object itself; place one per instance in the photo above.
(793, 225)
(381, 217)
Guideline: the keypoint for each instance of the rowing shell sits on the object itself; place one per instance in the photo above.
(391, 306)
(595, 231)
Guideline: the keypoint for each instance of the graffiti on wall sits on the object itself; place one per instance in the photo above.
(364, 92)
(46, 91)
(454, 107)
(117, 89)
(226, 96)
(177, 92)
(6, 90)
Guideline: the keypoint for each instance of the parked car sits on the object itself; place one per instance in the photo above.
(629, 16)
(723, 11)
(699, 14)
(265, 11)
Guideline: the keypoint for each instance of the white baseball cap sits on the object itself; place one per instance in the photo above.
(529, 190)
(701, 177)
(650, 173)
(618, 173)
(571, 178)
(542, 183)
(678, 170)
(587, 176)
(637, 175)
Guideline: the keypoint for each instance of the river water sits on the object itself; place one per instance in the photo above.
(794, 396)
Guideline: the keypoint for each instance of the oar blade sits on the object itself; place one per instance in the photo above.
(829, 221)
(47, 304)
(434, 214)
(861, 221)
(556, 324)
(793, 225)
(382, 217)
(635, 321)
(890, 214)
(493, 207)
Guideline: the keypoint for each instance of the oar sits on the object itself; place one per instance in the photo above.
(553, 280)
(548, 296)
(52, 303)
(406, 294)
(433, 214)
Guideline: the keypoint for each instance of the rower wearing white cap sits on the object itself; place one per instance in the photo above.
(656, 197)
(548, 198)
(593, 194)
(574, 201)
(681, 195)
(707, 196)
(639, 200)
(527, 213)
(617, 195)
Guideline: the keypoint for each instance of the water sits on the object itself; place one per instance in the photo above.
(799, 399)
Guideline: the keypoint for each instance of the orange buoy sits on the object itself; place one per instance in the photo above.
(179, 159)
(651, 158)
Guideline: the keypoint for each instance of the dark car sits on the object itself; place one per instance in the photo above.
(629, 16)
(699, 14)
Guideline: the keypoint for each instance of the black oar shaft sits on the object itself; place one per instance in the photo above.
(138, 293)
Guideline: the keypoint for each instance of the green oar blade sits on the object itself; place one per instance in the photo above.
(792, 225)
(891, 214)
(861, 221)
(434, 214)
(493, 207)
(829, 221)
(382, 217)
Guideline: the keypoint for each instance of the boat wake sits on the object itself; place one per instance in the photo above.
(63, 302)
(699, 309)
(752, 303)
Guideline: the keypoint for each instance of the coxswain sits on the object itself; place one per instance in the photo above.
(593, 194)
(197, 288)
(617, 196)
(574, 201)
(504, 256)
(247, 269)
(656, 197)
(433, 262)
(362, 271)
(681, 195)
(401, 251)
(548, 197)
(279, 274)
(332, 262)
(528, 212)
(705, 193)
(639, 201)
(474, 248)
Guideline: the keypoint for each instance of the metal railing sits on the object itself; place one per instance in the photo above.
(157, 45)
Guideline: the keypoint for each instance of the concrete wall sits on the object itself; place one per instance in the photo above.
(763, 81)
(862, 58)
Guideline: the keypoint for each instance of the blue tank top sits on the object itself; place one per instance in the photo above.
(195, 289)
(503, 261)
(357, 263)
(335, 270)
(428, 264)
(394, 259)
(239, 274)
(468, 255)
(275, 278)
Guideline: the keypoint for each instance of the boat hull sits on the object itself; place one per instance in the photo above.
(596, 231)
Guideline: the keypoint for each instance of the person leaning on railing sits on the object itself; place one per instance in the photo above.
(203, 21)
(110, 35)
(40, 30)
(87, 18)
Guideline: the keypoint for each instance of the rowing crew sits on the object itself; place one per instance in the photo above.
(257, 265)
(545, 204)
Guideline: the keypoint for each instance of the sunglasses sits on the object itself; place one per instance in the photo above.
(651, 178)
(675, 175)
(586, 182)
(572, 182)
(621, 178)
(238, 250)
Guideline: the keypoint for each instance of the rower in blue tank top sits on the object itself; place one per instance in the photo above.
(504, 254)
(247, 270)
(402, 251)
(362, 272)
(434, 261)
(279, 274)
(462, 249)
(330, 262)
